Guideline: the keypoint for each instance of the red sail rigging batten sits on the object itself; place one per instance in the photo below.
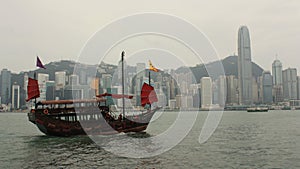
(148, 95)
(33, 90)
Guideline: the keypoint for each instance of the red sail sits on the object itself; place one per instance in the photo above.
(33, 90)
(115, 96)
(148, 95)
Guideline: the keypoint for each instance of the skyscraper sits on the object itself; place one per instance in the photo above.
(221, 84)
(244, 66)
(206, 92)
(73, 79)
(5, 86)
(231, 84)
(42, 79)
(267, 87)
(289, 79)
(277, 72)
(60, 80)
(277, 81)
(15, 100)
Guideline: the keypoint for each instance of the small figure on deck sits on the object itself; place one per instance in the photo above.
(120, 117)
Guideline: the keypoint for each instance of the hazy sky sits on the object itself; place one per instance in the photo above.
(58, 29)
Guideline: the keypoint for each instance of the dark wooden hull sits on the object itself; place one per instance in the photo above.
(257, 110)
(89, 121)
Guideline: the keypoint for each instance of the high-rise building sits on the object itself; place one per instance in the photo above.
(277, 81)
(278, 93)
(74, 79)
(277, 72)
(60, 79)
(298, 87)
(42, 79)
(50, 90)
(15, 97)
(5, 86)
(95, 85)
(255, 90)
(82, 77)
(106, 82)
(244, 66)
(260, 89)
(232, 87)
(289, 79)
(206, 92)
(221, 84)
(267, 83)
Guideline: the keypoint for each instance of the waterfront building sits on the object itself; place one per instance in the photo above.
(267, 83)
(277, 72)
(221, 85)
(15, 97)
(5, 85)
(50, 90)
(277, 81)
(255, 90)
(260, 89)
(73, 79)
(289, 79)
(244, 66)
(232, 90)
(178, 101)
(172, 104)
(206, 92)
(95, 86)
(25, 82)
(82, 77)
(106, 82)
(60, 79)
(42, 79)
(298, 87)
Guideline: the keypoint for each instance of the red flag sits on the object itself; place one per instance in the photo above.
(39, 63)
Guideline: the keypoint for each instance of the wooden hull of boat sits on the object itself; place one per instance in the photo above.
(49, 124)
(257, 110)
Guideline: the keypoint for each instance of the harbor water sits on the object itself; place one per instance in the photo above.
(242, 140)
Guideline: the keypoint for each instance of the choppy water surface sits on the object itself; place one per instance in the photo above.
(242, 140)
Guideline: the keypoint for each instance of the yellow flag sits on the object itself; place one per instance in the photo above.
(151, 67)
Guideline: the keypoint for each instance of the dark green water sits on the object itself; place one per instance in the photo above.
(242, 140)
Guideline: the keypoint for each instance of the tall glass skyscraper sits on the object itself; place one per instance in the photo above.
(244, 67)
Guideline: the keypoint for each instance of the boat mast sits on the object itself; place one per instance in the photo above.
(35, 105)
(123, 99)
(149, 84)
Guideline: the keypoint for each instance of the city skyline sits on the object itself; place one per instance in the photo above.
(45, 29)
(186, 86)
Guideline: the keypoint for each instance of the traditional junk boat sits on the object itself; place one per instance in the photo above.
(92, 117)
(257, 109)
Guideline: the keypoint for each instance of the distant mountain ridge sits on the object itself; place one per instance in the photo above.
(230, 65)
(199, 71)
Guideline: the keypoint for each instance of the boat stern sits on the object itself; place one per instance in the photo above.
(31, 116)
